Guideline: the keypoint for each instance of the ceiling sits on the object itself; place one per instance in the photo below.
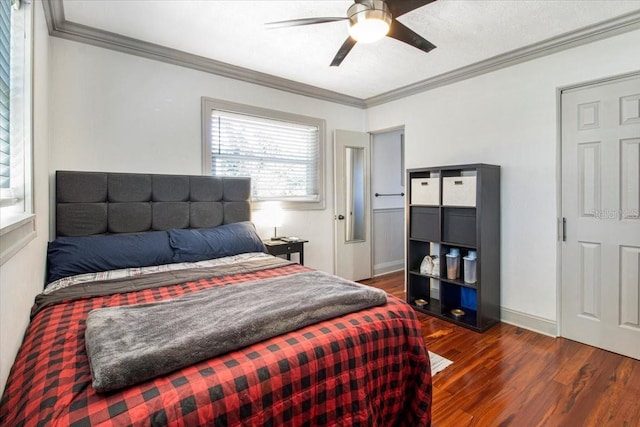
(229, 38)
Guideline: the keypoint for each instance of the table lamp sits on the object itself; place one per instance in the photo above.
(274, 217)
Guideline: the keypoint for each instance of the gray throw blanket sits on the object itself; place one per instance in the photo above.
(130, 344)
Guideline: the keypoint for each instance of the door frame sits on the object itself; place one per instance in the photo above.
(403, 171)
(559, 90)
(371, 133)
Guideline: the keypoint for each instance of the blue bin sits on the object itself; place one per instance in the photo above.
(468, 299)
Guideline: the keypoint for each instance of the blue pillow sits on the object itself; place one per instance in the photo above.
(209, 243)
(68, 256)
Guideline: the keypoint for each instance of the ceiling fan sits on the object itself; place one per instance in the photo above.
(369, 21)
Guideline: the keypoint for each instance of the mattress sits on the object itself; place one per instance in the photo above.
(366, 368)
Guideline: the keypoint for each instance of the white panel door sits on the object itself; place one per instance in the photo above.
(352, 204)
(601, 206)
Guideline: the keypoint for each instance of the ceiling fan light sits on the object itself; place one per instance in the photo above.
(369, 22)
(369, 30)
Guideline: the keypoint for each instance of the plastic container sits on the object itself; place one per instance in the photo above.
(469, 269)
(453, 266)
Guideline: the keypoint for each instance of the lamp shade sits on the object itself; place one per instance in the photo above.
(273, 214)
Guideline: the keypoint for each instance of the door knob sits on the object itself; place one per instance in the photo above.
(340, 216)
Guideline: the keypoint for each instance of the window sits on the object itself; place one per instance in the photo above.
(5, 95)
(281, 152)
(16, 219)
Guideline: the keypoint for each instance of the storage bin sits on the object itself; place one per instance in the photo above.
(425, 223)
(459, 191)
(459, 226)
(425, 191)
(469, 299)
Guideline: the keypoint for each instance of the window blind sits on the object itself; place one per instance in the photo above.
(280, 157)
(5, 66)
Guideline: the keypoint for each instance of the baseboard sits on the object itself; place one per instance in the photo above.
(528, 321)
(388, 267)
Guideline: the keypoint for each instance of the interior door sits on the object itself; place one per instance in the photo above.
(600, 204)
(352, 204)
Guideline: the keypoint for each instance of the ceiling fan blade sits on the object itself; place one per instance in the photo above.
(400, 32)
(303, 21)
(400, 7)
(343, 51)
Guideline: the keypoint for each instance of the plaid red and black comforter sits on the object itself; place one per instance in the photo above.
(368, 368)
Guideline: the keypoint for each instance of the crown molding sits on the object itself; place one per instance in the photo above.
(609, 28)
(59, 27)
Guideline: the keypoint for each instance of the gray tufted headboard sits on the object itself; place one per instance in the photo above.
(90, 203)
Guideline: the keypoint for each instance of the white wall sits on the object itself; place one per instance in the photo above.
(509, 118)
(22, 276)
(121, 113)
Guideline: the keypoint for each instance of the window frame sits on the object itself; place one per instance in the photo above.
(211, 104)
(17, 220)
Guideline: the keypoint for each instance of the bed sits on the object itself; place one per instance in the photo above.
(367, 367)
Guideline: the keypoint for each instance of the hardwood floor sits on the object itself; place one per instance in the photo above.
(509, 376)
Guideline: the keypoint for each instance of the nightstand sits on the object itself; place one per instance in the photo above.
(280, 247)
